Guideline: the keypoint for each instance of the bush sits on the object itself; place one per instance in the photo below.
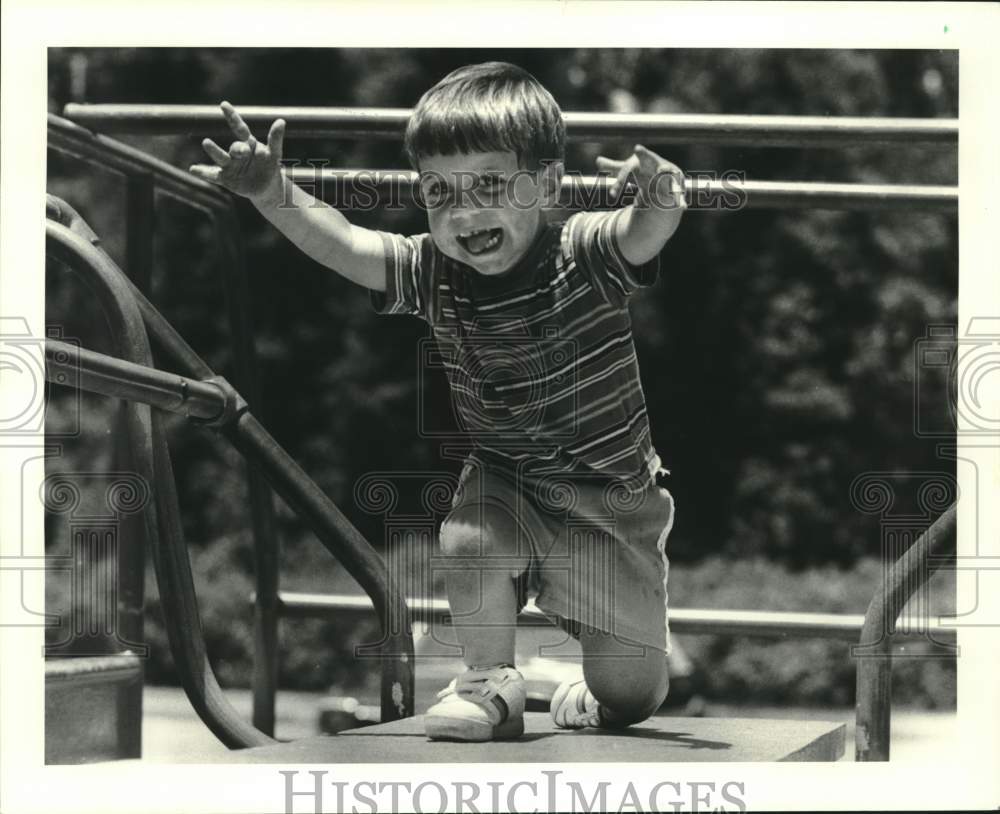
(798, 671)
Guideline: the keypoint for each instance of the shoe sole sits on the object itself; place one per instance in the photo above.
(471, 731)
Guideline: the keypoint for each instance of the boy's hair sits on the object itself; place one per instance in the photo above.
(493, 106)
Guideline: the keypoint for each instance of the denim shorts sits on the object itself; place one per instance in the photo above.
(595, 546)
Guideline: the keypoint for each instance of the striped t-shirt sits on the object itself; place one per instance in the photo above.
(540, 360)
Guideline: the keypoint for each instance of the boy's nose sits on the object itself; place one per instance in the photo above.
(463, 217)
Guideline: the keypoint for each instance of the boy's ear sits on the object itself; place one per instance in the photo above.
(551, 181)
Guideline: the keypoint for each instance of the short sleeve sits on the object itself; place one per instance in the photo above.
(590, 240)
(408, 272)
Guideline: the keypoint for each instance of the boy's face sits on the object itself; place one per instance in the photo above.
(483, 209)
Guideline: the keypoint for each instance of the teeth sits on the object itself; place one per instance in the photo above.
(477, 246)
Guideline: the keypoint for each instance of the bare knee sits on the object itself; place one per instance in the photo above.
(626, 708)
(477, 532)
(646, 702)
(460, 538)
(629, 693)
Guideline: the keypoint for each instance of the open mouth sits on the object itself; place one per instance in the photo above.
(481, 241)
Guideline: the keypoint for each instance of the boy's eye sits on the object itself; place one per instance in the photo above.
(433, 194)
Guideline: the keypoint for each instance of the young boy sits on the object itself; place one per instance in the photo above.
(559, 494)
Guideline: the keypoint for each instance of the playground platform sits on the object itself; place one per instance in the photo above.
(660, 740)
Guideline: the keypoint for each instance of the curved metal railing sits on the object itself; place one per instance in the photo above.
(144, 175)
(933, 549)
(151, 459)
(133, 377)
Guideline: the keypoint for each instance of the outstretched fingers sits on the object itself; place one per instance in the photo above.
(215, 152)
(647, 159)
(276, 139)
(620, 169)
(653, 164)
(207, 172)
(243, 156)
(608, 165)
(235, 122)
(665, 185)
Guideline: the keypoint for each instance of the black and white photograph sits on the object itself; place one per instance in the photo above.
(585, 414)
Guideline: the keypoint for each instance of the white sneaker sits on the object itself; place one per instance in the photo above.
(573, 706)
(479, 705)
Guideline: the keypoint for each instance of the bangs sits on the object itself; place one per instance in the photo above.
(466, 131)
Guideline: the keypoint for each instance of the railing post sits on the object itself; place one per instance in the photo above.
(139, 224)
(874, 679)
(266, 544)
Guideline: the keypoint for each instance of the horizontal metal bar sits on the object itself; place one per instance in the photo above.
(79, 670)
(655, 128)
(97, 373)
(854, 197)
(843, 627)
(293, 604)
(69, 138)
(367, 189)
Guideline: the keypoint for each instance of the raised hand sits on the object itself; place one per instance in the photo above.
(249, 168)
(658, 182)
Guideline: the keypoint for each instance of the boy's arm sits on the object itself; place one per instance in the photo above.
(253, 170)
(324, 234)
(655, 214)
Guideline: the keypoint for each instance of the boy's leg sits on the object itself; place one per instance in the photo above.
(486, 702)
(630, 681)
(624, 683)
(622, 575)
(479, 551)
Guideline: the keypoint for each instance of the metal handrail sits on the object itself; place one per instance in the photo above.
(144, 173)
(714, 195)
(134, 378)
(934, 549)
(656, 128)
(843, 627)
(151, 458)
(347, 189)
(72, 139)
(97, 373)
